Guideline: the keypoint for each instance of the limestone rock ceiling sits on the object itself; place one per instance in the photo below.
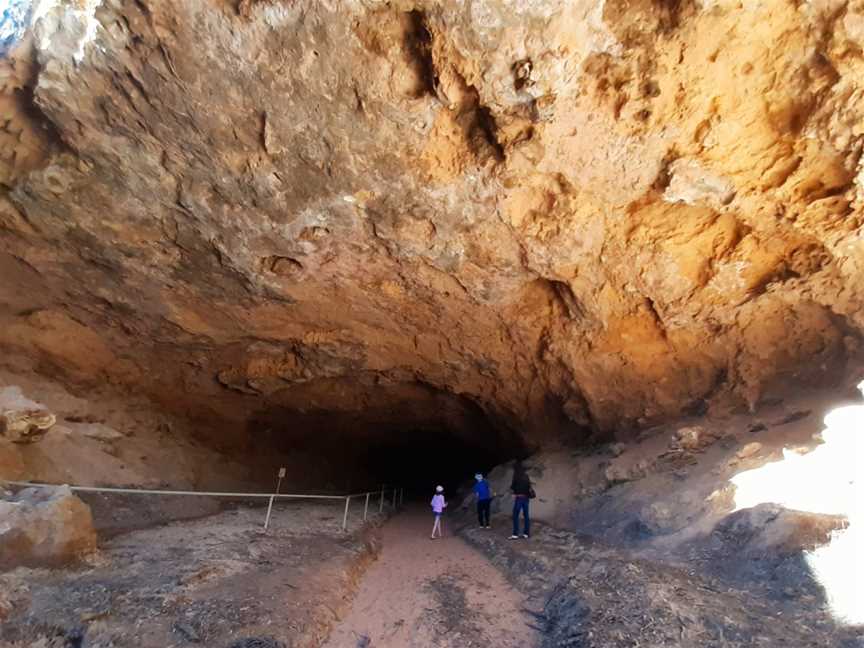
(567, 214)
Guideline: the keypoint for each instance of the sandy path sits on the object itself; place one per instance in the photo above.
(432, 594)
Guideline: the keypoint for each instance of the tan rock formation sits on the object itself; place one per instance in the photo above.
(556, 214)
(25, 426)
(41, 527)
(23, 420)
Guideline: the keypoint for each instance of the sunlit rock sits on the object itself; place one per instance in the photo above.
(44, 527)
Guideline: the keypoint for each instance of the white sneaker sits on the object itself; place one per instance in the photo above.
(525, 536)
(514, 537)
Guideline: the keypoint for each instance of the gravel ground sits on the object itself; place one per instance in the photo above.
(211, 581)
(585, 595)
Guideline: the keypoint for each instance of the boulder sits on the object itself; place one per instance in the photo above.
(25, 425)
(693, 438)
(617, 449)
(772, 530)
(44, 527)
(660, 518)
(101, 432)
(749, 450)
(624, 471)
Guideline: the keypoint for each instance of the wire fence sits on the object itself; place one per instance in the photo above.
(386, 496)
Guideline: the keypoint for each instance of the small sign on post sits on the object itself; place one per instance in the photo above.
(281, 474)
(345, 517)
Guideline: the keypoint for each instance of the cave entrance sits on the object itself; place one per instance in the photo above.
(413, 443)
(419, 459)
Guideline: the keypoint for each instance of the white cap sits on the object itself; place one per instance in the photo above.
(439, 489)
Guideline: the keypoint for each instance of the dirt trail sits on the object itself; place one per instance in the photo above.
(432, 594)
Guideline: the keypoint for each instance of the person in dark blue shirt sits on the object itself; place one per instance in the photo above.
(484, 500)
(522, 494)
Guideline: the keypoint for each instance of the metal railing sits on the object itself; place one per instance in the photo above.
(398, 495)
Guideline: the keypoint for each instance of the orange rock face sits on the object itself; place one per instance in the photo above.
(550, 216)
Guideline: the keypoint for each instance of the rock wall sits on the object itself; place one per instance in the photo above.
(670, 493)
(563, 215)
(769, 502)
(100, 438)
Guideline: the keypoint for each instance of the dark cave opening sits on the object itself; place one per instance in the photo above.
(410, 445)
(423, 459)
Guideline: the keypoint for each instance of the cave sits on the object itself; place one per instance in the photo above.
(201, 243)
(415, 438)
(390, 245)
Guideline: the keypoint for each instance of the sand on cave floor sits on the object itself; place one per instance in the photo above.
(424, 593)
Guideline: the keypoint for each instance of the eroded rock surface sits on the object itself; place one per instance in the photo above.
(552, 215)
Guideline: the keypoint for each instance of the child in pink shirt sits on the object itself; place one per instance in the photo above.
(438, 506)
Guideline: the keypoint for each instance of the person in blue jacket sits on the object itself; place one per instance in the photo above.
(484, 500)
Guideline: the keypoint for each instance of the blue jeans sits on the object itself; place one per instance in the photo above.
(521, 504)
